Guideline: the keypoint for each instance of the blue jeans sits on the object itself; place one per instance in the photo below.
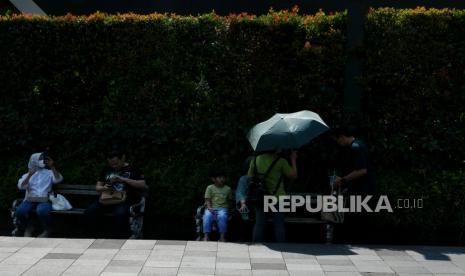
(260, 221)
(121, 213)
(221, 217)
(42, 209)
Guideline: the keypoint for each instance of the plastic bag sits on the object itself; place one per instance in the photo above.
(60, 203)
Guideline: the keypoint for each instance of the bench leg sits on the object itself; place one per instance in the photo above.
(329, 233)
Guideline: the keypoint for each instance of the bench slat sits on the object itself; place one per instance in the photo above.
(74, 187)
(75, 211)
(76, 192)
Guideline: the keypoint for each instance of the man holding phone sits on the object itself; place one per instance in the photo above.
(121, 177)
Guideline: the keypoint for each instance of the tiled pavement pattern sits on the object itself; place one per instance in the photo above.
(33, 256)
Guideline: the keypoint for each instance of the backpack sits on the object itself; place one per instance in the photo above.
(256, 185)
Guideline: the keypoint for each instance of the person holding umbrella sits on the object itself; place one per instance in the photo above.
(277, 167)
(283, 131)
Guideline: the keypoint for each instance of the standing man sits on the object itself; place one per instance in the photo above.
(117, 176)
(357, 175)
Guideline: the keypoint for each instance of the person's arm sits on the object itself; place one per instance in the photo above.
(57, 177)
(250, 173)
(241, 192)
(208, 199)
(23, 182)
(291, 171)
(137, 180)
(208, 202)
(351, 176)
(101, 186)
(138, 184)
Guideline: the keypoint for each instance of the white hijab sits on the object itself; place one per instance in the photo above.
(34, 161)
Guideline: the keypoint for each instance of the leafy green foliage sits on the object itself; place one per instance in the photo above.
(177, 93)
(180, 93)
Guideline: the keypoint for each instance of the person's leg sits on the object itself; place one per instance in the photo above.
(259, 227)
(222, 220)
(90, 217)
(278, 221)
(43, 211)
(121, 212)
(22, 215)
(207, 223)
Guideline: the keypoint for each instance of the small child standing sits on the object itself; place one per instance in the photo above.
(217, 198)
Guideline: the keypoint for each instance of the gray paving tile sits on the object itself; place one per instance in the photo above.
(158, 271)
(79, 270)
(61, 256)
(13, 269)
(194, 264)
(415, 274)
(123, 269)
(347, 268)
(125, 263)
(232, 272)
(287, 255)
(403, 263)
(76, 243)
(365, 258)
(5, 255)
(398, 258)
(267, 260)
(164, 258)
(410, 269)
(139, 244)
(9, 249)
(268, 266)
(49, 267)
(107, 273)
(232, 260)
(187, 271)
(68, 250)
(377, 274)
(389, 252)
(268, 272)
(335, 262)
(232, 254)
(227, 246)
(306, 273)
(156, 263)
(107, 244)
(200, 253)
(345, 273)
(168, 242)
(48, 242)
(303, 267)
(302, 261)
(240, 266)
(377, 268)
(198, 259)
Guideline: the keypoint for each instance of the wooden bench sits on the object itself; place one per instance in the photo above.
(78, 195)
(304, 218)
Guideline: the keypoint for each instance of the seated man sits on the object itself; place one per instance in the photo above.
(122, 177)
(217, 198)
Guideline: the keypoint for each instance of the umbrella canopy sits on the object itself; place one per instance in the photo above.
(286, 131)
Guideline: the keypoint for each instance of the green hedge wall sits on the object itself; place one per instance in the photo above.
(178, 93)
(414, 104)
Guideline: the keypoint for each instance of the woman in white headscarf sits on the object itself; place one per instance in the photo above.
(38, 184)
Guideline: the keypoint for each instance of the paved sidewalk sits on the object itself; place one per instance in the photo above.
(34, 256)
